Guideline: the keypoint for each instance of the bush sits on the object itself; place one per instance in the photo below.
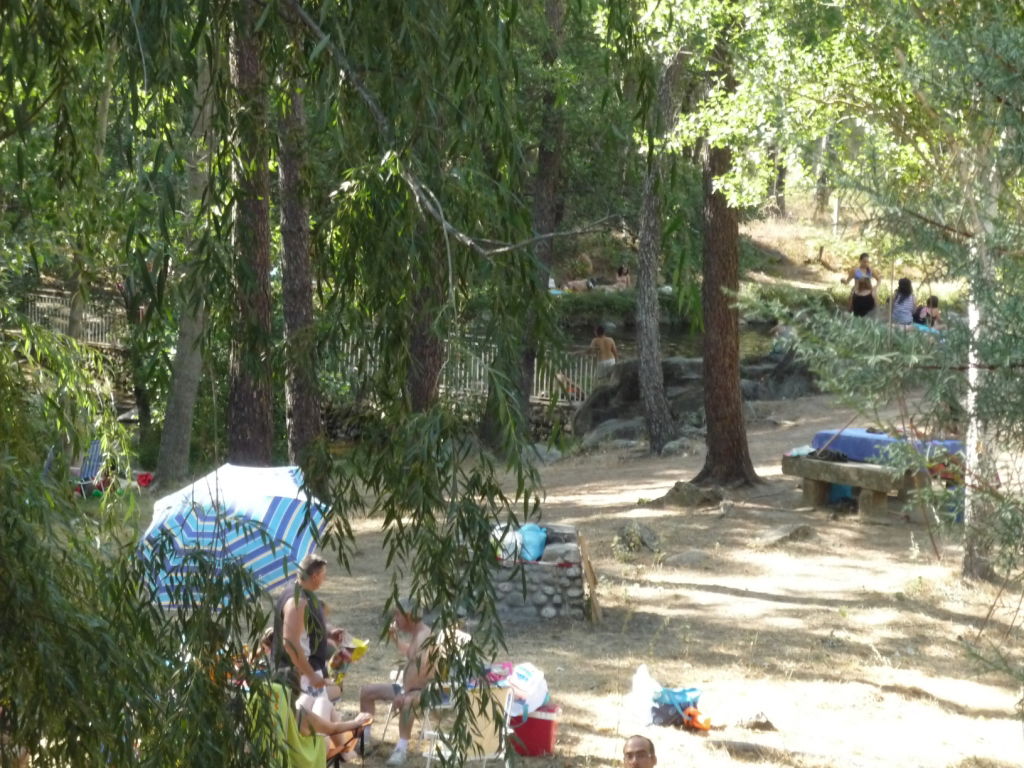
(590, 308)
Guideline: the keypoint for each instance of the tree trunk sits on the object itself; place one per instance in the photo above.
(660, 428)
(728, 457)
(426, 349)
(823, 186)
(983, 186)
(547, 211)
(302, 398)
(76, 306)
(250, 421)
(172, 464)
(546, 214)
(777, 188)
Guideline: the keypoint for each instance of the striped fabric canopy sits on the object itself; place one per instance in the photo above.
(258, 516)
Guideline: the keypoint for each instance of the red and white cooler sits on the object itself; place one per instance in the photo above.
(535, 734)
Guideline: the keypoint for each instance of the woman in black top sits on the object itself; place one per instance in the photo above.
(863, 299)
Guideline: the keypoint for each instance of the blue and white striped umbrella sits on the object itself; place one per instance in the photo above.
(258, 516)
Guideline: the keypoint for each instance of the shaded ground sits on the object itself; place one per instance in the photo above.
(849, 642)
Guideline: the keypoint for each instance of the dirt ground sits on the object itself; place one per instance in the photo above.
(850, 642)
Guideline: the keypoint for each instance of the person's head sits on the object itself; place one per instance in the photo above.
(865, 260)
(864, 284)
(623, 270)
(904, 288)
(933, 302)
(267, 641)
(407, 614)
(312, 571)
(638, 752)
(599, 331)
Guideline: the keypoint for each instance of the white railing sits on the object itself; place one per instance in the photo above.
(53, 311)
(567, 378)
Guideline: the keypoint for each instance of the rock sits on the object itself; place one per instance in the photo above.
(758, 722)
(547, 612)
(678, 369)
(628, 429)
(691, 558)
(634, 536)
(800, 532)
(619, 398)
(689, 495)
(561, 553)
(626, 445)
(545, 454)
(678, 447)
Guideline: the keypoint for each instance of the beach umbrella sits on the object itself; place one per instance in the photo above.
(258, 517)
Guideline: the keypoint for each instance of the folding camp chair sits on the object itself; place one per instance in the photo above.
(489, 738)
(92, 467)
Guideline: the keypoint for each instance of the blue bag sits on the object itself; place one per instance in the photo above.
(534, 539)
(671, 703)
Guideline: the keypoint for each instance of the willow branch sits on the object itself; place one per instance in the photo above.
(426, 200)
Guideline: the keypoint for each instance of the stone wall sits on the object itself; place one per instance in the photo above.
(556, 585)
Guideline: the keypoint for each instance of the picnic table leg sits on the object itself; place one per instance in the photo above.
(815, 492)
(872, 502)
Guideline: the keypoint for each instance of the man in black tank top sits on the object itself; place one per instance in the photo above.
(299, 615)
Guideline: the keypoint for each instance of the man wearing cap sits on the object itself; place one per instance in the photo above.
(638, 752)
(417, 672)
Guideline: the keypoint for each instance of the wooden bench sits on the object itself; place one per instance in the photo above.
(874, 481)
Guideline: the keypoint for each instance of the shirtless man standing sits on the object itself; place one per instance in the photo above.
(604, 349)
(418, 671)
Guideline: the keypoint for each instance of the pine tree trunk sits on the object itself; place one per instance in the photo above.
(728, 456)
(660, 428)
(250, 424)
(302, 398)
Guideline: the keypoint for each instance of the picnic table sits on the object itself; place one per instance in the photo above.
(861, 445)
(864, 471)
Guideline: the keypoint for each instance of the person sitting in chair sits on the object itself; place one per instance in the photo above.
(417, 672)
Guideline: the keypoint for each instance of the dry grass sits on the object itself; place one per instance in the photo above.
(850, 642)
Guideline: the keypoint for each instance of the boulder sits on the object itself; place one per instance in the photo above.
(634, 536)
(691, 558)
(689, 495)
(615, 429)
(618, 398)
(545, 454)
(678, 447)
(787, 534)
